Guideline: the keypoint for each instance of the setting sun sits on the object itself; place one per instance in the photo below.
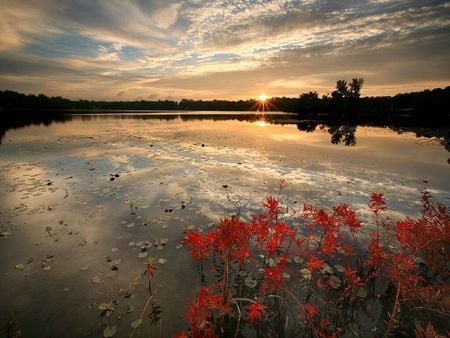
(262, 97)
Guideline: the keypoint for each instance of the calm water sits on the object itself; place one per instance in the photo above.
(72, 238)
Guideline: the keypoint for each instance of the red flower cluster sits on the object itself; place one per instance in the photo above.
(323, 250)
(200, 311)
(377, 203)
(255, 312)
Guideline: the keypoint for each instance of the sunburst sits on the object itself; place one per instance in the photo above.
(263, 97)
(263, 103)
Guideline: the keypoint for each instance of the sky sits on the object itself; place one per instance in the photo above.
(229, 49)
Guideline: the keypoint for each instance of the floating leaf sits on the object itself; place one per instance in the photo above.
(136, 323)
(97, 280)
(5, 234)
(115, 262)
(47, 267)
(114, 249)
(286, 275)
(130, 308)
(110, 331)
(362, 292)
(20, 267)
(103, 306)
(339, 268)
(297, 259)
(142, 254)
(306, 274)
(326, 269)
(84, 268)
(162, 261)
(271, 262)
(250, 282)
(131, 243)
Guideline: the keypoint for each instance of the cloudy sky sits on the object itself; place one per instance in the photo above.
(232, 49)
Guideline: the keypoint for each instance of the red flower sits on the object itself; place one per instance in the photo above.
(272, 206)
(255, 312)
(376, 253)
(377, 203)
(200, 310)
(314, 263)
(347, 216)
(151, 267)
(198, 243)
(330, 243)
(352, 276)
(273, 277)
(232, 237)
(310, 310)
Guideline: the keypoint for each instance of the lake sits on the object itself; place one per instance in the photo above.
(86, 199)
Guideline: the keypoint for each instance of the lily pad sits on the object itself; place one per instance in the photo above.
(136, 323)
(103, 306)
(250, 282)
(326, 269)
(5, 234)
(20, 267)
(297, 259)
(110, 331)
(306, 274)
(97, 280)
(130, 308)
(362, 292)
(142, 254)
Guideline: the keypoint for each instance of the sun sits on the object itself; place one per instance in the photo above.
(263, 103)
(263, 97)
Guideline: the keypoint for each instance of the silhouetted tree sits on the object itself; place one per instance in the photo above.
(346, 95)
(355, 88)
(309, 102)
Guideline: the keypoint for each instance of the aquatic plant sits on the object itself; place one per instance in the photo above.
(322, 273)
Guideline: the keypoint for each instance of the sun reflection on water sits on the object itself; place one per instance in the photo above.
(261, 123)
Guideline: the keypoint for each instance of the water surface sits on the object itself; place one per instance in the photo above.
(85, 201)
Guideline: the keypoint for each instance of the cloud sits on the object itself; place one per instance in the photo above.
(166, 16)
(227, 48)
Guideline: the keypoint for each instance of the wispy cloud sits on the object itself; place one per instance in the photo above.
(228, 48)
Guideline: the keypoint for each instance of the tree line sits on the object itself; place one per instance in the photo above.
(345, 99)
